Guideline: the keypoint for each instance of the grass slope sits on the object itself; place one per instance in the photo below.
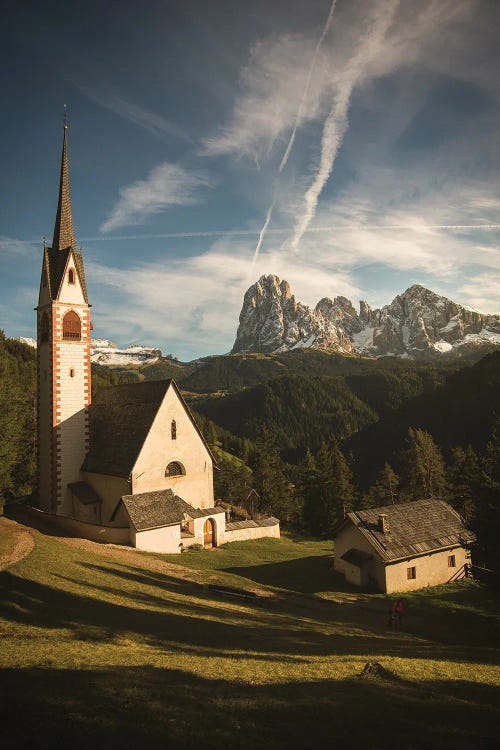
(108, 648)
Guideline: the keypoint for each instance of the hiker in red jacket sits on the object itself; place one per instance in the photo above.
(397, 612)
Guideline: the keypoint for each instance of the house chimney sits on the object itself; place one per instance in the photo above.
(383, 523)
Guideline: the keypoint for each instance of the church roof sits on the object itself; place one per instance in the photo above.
(63, 243)
(413, 528)
(64, 236)
(150, 510)
(120, 419)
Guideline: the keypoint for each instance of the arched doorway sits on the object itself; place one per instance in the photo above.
(209, 539)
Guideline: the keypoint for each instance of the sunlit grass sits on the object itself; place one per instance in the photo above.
(136, 647)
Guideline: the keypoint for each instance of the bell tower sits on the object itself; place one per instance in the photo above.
(63, 359)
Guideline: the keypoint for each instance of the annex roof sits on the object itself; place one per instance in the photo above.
(150, 510)
(120, 419)
(414, 528)
(84, 492)
(356, 557)
(201, 512)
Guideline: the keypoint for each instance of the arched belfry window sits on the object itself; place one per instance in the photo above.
(71, 276)
(175, 469)
(44, 328)
(72, 327)
(173, 429)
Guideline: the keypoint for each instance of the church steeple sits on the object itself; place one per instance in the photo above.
(64, 236)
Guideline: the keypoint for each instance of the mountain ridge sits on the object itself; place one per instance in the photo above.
(417, 324)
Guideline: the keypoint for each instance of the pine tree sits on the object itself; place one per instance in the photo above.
(385, 489)
(274, 488)
(330, 492)
(423, 468)
(487, 514)
(464, 479)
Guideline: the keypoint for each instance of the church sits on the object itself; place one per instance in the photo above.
(131, 466)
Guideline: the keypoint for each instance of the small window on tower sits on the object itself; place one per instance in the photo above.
(173, 429)
(71, 276)
(72, 373)
(44, 328)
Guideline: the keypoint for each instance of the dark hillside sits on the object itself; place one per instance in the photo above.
(461, 411)
(302, 412)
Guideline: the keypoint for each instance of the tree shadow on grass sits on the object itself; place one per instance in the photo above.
(162, 708)
(307, 575)
(195, 623)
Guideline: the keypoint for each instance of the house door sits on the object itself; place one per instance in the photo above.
(209, 533)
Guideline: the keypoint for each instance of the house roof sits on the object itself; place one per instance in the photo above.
(84, 492)
(120, 419)
(149, 510)
(414, 528)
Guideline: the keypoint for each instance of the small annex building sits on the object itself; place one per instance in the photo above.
(129, 463)
(402, 547)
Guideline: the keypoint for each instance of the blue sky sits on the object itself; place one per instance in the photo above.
(359, 140)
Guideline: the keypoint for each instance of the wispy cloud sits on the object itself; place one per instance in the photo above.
(151, 121)
(165, 186)
(482, 291)
(12, 246)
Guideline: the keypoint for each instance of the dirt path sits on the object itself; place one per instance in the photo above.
(16, 542)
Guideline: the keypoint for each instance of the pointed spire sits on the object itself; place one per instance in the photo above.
(64, 236)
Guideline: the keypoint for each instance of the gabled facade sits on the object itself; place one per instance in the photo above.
(63, 359)
(402, 547)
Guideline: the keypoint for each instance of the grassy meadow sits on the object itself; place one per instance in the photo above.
(112, 648)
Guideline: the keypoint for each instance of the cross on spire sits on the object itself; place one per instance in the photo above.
(64, 236)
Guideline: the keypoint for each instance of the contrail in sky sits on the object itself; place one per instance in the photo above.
(306, 89)
(298, 120)
(336, 122)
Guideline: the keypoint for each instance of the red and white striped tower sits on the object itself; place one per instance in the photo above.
(63, 361)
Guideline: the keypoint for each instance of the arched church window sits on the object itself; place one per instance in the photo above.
(72, 327)
(175, 469)
(173, 429)
(44, 328)
(71, 276)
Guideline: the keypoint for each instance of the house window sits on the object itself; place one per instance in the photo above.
(175, 469)
(72, 373)
(411, 573)
(44, 328)
(173, 429)
(451, 561)
(71, 276)
(72, 327)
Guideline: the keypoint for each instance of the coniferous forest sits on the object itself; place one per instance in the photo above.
(313, 435)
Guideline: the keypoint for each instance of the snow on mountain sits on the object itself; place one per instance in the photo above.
(105, 352)
(416, 324)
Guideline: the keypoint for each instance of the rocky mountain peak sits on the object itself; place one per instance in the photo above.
(418, 323)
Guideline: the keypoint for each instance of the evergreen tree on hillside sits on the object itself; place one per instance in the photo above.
(385, 489)
(276, 495)
(487, 514)
(17, 419)
(464, 480)
(306, 484)
(423, 469)
(332, 492)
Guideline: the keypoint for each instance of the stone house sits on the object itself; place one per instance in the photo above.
(402, 547)
(131, 465)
